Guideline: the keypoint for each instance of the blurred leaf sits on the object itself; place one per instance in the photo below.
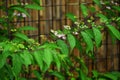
(97, 2)
(27, 28)
(3, 58)
(16, 64)
(48, 56)
(88, 41)
(82, 75)
(34, 6)
(27, 58)
(79, 46)
(98, 36)
(59, 75)
(84, 10)
(63, 46)
(112, 37)
(103, 18)
(37, 74)
(21, 36)
(92, 9)
(71, 16)
(116, 8)
(110, 76)
(20, 9)
(90, 33)
(95, 73)
(56, 59)
(71, 40)
(37, 1)
(114, 31)
(38, 56)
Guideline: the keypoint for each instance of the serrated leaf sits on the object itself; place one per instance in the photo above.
(63, 46)
(84, 10)
(20, 9)
(27, 28)
(98, 36)
(27, 58)
(71, 16)
(47, 56)
(22, 36)
(71, 40)
(38, 56)
(88, 41)
(114, 31)
(33, 6)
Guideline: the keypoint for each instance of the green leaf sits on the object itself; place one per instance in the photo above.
(21, 36)
(36, 1)
(98, 36)
(71, 40)
(116, 8)
(56, 59)
(38, 75)
(84, 10)
(90, 33)
(27, 28)
(112, 37)
(114, 31)
(27, 58)
(95, 73)
(110, 76)
(88, 41)
(63, 46)
(59, 75)
(79, 46)
(33, 6)
(3, 58)
(38, 56)
(82, 75)
(47, 56)
(71, 16)
(97, 2)
(16, 64)
(103, 18)
(20, 9)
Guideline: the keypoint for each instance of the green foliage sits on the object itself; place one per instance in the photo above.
(63, 46)
(33, 6)
(88, 41)
(84, 10)
(98, 36)
(18, 52)
(71, 41)
(71, 16)
(115, 32)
